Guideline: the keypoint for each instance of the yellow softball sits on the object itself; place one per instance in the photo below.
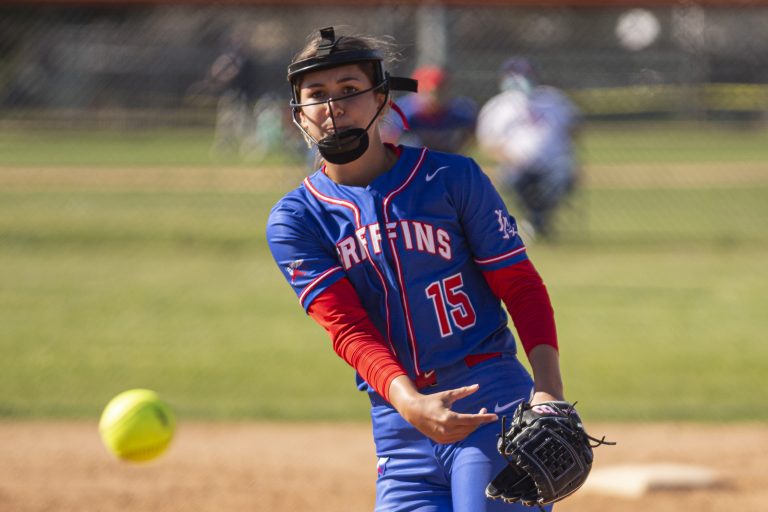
(136, 425)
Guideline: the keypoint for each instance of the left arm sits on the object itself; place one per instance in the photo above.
(548, 383)
(523, 292)
(500, 255)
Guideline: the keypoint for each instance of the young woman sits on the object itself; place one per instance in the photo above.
(404, 256)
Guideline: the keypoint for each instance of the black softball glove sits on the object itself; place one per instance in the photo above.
(549, 455)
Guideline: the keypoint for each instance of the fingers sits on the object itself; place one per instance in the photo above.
(444, 425)
(475, 420)
(481, 418)
(460, 426)
(457, 426)
(456, 394)
(486, 417)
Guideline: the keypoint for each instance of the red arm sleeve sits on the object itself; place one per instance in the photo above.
(355, 338)
(523, 292)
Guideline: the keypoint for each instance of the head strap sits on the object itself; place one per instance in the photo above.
(399, 83)
(329, 43)
(328, 55)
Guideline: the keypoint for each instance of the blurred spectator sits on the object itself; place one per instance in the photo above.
(435, 118)
(529, 130)
(234, 77)
(27, 76)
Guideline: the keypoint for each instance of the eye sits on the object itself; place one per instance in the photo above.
(349, 89)
(316, 94)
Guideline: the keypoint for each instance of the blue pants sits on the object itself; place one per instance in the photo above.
(417, 474)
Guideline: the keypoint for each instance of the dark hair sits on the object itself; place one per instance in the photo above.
(385, 46)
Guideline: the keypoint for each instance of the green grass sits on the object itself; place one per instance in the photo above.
(177, 292)
(669, 143)
(654, 143)
(679, 217)
(661, 310)
(108, 147)
(169, 147)
(662, 333)
(660, 293)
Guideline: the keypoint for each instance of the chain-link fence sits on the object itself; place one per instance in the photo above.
(635, 73)
(617, 61)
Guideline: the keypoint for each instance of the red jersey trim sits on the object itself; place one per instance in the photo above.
(328, 199)
(316, 281)
(521, 289)
(398, 267)
(358, 224)
(500, 257)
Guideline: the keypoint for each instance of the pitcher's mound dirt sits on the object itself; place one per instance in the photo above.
(63, 467)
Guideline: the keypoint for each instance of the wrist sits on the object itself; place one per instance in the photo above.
(546, 396)
(548, 382)
(403, 394)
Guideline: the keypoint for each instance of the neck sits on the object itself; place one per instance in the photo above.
(360, 173)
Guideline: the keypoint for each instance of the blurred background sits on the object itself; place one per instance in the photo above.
(143, 143)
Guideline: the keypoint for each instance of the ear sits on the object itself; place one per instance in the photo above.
(382, 98)
(303, 121)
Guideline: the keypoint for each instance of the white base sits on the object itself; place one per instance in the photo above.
(635, 480)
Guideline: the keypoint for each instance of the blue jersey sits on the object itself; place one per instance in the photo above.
(413, 244)
(447, 127)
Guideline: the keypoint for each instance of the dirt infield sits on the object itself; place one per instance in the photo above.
(329, 467)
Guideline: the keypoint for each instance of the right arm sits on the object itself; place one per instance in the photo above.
(312, 269)
(356, 340)
(354, 337)
(331, 300)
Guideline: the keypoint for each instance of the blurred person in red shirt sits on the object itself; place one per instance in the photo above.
(433, 117)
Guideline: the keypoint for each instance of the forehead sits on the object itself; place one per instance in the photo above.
(334, 75)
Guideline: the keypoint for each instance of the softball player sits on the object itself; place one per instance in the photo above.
(529, 129)
(435, 119)
(404, 256)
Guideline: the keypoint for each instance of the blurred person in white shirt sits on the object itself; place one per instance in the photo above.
(529, 129)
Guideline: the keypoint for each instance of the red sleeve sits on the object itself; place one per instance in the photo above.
(355, 338)
(523, 292)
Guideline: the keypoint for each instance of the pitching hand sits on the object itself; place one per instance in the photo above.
(432, 414)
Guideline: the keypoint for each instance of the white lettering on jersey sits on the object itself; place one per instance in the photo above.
(376, 238)
(415, 235)
(506, 228)
(392, 230)
(360, 234)
(444, 244)
(406, 234)
(425, 237)
(347, 249)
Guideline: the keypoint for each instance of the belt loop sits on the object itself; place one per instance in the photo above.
(475, 359)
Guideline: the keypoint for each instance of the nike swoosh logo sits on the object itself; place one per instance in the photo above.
(501, 408)
(429, 374)
(432, 175)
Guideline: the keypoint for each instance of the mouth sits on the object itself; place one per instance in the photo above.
(339, 129)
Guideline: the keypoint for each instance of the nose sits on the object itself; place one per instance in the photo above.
(335, 108)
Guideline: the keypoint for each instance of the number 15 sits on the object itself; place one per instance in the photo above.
(451, 302)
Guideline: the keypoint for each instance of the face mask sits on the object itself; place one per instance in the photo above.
(348, 145)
